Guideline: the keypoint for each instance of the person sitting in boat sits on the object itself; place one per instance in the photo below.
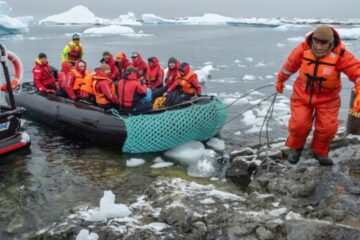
(173, 71)
(74, 80)
(86, 88)
(154, 74)
(104, 88)
(139, 64)
(121, 63)
(131, 93)
(44, 80)
(73, 51)
(65, 69)
(184, 87)
(109, 60)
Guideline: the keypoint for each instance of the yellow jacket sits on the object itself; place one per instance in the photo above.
(67, 50)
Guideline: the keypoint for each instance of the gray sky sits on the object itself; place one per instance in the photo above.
(171, 8)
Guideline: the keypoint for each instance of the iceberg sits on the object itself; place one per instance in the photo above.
(128, 20)
(75, 16)
(114, 30)
(10, 25)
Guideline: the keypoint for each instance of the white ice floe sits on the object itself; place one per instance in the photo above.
(269, 76)
(206, 19)
(8, 24)
(249, 59)
(295, 39)
(135, 162)
(349, 33)
(237, 61)
(108, 209)
(280, 45)
(110, 30)
(84, 234)
(260, 64)
(216, 144)
(249, 77)
(77, 15)
(204, 73)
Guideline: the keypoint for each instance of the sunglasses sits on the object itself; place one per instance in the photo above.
(134, 57)
(76, 39)
(319, 41)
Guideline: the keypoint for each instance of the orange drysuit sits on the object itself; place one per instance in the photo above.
(316, 92)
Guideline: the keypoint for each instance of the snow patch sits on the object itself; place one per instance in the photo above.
(84, 234)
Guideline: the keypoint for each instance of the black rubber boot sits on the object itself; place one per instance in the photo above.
(324, 160)
(294, 155)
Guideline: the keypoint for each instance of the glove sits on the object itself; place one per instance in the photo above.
(356, 104)
(279, 86)
(41, 89)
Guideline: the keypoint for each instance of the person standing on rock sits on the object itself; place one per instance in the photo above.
(316, 92)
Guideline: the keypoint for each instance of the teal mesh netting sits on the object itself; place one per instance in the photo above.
(166, 130)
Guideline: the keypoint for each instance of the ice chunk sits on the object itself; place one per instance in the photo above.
(249, 77)
(75, 16)
(135, 162)
(5, 8)
(206, 19)
(108, 209)
(85, 235)
(204, 73)
(187, 152)
(204, 167)
(128, 19)
(280, 45)
(110, 30)
(10, 25)
(349, 33)
(216, 144)
(162, 165)
(249, 59)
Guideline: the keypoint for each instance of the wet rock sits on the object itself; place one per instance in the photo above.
(240, 172)
(247, 151)
(263, 234)
(142, 234)
(177, 217)
(199, 230)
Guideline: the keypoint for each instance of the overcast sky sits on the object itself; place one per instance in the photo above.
(173, 8)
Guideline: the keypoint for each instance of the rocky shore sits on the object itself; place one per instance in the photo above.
(275, 200)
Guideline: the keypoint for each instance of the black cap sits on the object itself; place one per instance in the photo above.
(106, 53)
(151, 59)
(172, 60)
(42, 55)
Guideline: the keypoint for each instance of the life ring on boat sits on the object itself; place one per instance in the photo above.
(19, 71)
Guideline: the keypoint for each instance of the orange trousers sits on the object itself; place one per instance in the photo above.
(323, 113)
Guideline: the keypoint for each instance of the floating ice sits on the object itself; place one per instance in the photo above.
(112, 30)
(200, 161)
(260, 64)
(10, 25)
(204, 73)
(206, 19)
(269, 76)
(349, 33)
(75, 16)
(128, 19)
(84, 234)
(280, 45)
(249, 77)
(216, 144)
(249, 59)
(162, 165)
(108, 209)
(135, 162)
(296, 39)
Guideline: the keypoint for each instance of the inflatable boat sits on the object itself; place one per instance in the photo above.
(12, 136)
(158, 130)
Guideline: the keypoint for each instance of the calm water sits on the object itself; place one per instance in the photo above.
(40, 186)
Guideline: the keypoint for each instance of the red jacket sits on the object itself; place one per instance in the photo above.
(105, 87)
(172, 74)
(65, 68)
(347, 63)
(130, 91)
(43, 75)
(154, 75)
(121, 67)
(111, 62)
(141, 66)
